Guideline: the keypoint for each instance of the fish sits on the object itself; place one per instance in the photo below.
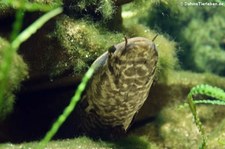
(119, 87)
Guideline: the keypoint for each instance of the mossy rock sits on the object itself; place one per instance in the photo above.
(83, 41)
(17, 73)
(133, 142)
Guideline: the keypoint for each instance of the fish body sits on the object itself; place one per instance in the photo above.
(119, 87)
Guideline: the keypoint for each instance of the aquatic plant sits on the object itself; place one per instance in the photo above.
(218, 96)
(67, 111)
(16, 40)
(35, 5)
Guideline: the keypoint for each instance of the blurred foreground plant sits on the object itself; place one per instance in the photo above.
(31, 6)
(16, 40)
(67, 111)
(218, 96)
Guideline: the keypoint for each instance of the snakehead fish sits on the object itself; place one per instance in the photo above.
(118, 89)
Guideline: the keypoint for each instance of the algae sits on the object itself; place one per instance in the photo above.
(83, 41)
(17, 73)
(96, 9)
(133, 142)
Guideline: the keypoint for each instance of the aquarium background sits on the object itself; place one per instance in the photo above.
(41, 69)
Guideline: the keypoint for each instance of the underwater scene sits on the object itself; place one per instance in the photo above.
(112, 74)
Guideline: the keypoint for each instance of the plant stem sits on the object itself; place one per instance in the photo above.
(67, 111)
(11, 50)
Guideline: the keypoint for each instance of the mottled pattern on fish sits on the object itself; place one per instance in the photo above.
(118, 88)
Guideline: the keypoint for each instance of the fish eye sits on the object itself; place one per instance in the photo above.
(112, 49)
